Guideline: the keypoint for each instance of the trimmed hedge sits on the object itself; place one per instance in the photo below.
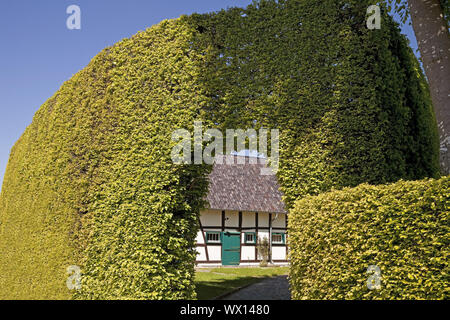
(91, 181)
(351, 103)
(402, 228)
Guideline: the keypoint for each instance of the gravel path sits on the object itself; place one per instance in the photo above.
(276, 288)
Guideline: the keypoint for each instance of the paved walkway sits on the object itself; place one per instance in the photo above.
(276, 288)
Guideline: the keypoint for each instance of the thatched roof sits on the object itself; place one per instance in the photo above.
(242, 187)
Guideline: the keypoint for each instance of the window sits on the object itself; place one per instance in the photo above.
(278, 238)
(250, 237)
(212, 237)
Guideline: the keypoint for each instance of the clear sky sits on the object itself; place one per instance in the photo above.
(38, 53)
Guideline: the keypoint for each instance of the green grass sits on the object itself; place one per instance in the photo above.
(211, 283)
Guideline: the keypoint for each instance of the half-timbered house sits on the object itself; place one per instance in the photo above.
(244, 205)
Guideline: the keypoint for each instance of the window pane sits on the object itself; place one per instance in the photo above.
(277, 238)
(213, 237)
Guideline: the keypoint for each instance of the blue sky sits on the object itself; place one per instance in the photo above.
(38, 52)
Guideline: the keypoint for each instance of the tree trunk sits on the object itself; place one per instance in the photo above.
(434, 44)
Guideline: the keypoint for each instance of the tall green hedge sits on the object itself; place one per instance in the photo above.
(91, 182)
(351, 103)
(403, 228)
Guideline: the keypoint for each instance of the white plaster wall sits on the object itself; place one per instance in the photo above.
(247, 253)
(243, 234)
(262, 234)
(232, 219)
(208, 265)
(215, 252)
(211, 218)
(202, 254)
(248, 219)
(280, 221)
(279, 253)
(199, 238)
(263, 219)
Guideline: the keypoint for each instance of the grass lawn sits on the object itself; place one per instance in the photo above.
(211, 283)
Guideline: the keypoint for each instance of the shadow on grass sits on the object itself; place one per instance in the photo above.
(207, 290)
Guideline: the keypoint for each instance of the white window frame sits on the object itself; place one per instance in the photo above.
(281, 238)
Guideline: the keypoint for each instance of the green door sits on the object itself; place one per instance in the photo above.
(231, 248)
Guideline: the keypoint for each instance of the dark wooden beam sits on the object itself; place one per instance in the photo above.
(223, 220)
(209, 244)
(256, 261)
(285, 236)
(270, 237)
(240, 235)
(204, 239)
(240, 220)
(256, 235)
(243, 228)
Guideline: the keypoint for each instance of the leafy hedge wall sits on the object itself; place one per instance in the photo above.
(91, 183)
(351, 103)
(402, 228)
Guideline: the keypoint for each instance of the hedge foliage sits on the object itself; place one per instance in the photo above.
(403, 228)
(91, 182)
(351, 103)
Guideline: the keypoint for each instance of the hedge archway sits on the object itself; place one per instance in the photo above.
(91, 182)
